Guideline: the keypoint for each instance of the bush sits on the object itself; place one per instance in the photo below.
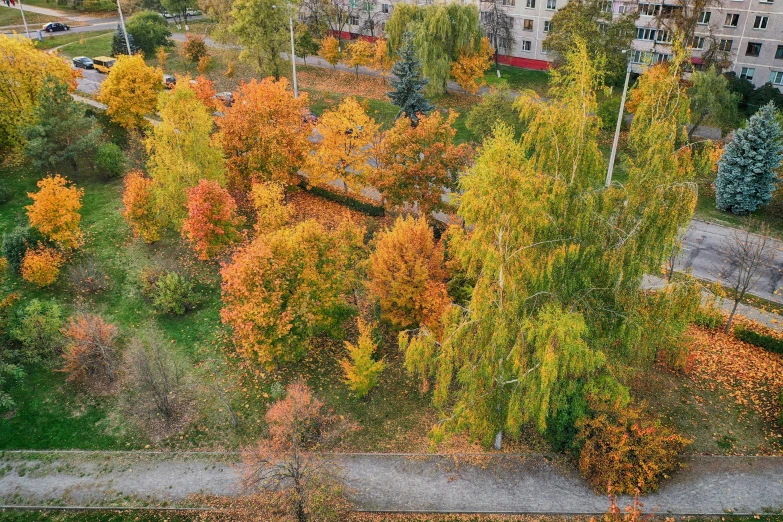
(87, 278)
(90, 352)
(194, 48)
(110, 160)
(42, 266)
(708, 317)
(170, 292)
(5, 193)
(607, 112)
(625, 450)
(38, 329)
(494, 108)
(149, 30)
(15, 245)
(353, 204)
(769, 343)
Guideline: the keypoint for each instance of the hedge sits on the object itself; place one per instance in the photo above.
(767, 342)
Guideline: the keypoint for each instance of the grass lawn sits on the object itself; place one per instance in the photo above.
(80, 44)
(519, 79)
(97, 6)
(12, 17)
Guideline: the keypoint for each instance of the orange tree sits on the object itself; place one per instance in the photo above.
(140, 210)
(205, 91)
(286, 286)
(130, 92)
(416, 165)
(212, 219)
(41, 266)
(55, 211)
(264, 134)
(360, 54)
(470, 67)
(348, 139)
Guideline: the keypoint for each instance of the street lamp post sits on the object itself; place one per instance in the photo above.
(293, 51)
(619, 122)
(124, 31)
(24, 20)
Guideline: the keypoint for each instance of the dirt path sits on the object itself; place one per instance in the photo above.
(508, 484)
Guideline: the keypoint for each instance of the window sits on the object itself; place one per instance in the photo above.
(649, 9)
(547, 26)
(779, 53)
(697, 42)
(510, 3)
(385, 8)
(551, 5)
(641, 57)
(528, 25)
(760, 22)
(753, 49)
(747, 73)
(663, 36)
(353, 20)
(530, 3)
(621, 9)
(606, 6)
(644, 33)
(526, 46)
(660, 57)
(725, 45)
(601, 27)
(353, 4)
(776, 77)
(732, 20)
(704, 17)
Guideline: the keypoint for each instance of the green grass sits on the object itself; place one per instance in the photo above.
(95, 6)
(705, 209)
(94, 44)
(519, 79)
(12, 17)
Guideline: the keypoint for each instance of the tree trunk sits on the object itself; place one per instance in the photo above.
(731, 315)
(497, 63)
(695, 126)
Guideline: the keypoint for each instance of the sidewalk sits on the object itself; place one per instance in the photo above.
(390, 482)
(53, 12)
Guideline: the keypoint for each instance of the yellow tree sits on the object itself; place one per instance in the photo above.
(360, 369)
(268, 198)
(381, 60)
(330, 50)
(181, 152)
(55, 211)
(469, 68)
(130, 92)
(23, 69)
(360, 54)
(264, 134)
(348, 139)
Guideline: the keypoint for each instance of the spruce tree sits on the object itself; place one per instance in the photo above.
(118, 44)
(409, 84)
(746, 171)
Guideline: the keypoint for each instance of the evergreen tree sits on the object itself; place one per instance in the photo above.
(746, 171)
(408, 87)
(60, 132)
(119, 46)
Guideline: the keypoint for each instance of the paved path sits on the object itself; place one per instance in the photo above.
(384, 482)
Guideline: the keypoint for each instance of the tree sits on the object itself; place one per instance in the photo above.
(765, 94)
(55, 211)
(194, 48)
(90, 352)
(262, 28)
(268, 198)
(286, 286)
(37, 329)
(119, 46)
(305, 43)
(360, 54)
(339, 14)
(381, 60)
(590, 22)
(212, 219)
(162, 56)
(747, 170)
(130, 92)
(140, 211)
(406, 275)
(371, 18)
(41, 266)
(264, 134)
(205, 91)
(416, 165)
(408, 85)
(470, 67)
(60, 133)
(498, 25)
(348, 135)
(179, 9)
(23, 72)
(181, 152)
(711, 98)
(150, 31)
(495, 108)
(747, 255)
(330, 50)
(360, 369)
(110, 160)
(288, 457)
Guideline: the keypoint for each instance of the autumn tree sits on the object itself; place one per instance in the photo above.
(495, 107)
(360, 54)
(406, 274)
(205, 91)
(41, 266)
(261, 27)
(288, 458)
(212, 219)
(90, 352)
(264, 134)
(23, 72)
(55, 211)
(140, 211)
(470, 66)
(348, 136)
(130, 91)
(330, 50)
(416, 165)
(382, 61)
(268, 199)
(194, 48)
(286, 286)
(181, 152)
(360, 369)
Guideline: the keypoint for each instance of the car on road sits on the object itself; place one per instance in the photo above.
(227, 98)
(103, 63)
(82, 62)
(169, 81)
(52, 27)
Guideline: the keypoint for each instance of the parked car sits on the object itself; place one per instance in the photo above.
(82, 62)
(226, 97)
(55, 26)
(103, 63)
(169, 81)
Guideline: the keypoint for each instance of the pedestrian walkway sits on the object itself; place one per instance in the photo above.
(55, 13)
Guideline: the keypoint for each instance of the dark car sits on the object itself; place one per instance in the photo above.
(55, 26)
(169, 81)
(82, 62)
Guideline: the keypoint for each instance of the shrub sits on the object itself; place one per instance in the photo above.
(38, 329)
(194, 48)
(361, 370)
(90, 351)
(708, 317)
(41, 266)
(212, 222)
(769, 343)
(5, 193)
(110, 160)
(55, 211)
(204, 64)
(87, 278)
(173, 294)
(15, 245)
(607, 112)
(149, 280)
(625, 450)
(140, 212)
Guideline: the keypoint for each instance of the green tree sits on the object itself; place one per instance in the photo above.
(179, 9)
(60, 132)
(408, 83)
(304, 42)
(589, 21)
(120, 46)
(149, 31)
(261, 27)
(747, 170)
(495, 107)
(711, 98)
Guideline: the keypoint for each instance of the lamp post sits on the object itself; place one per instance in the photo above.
(619, 121)
(24, 20)
(124, 31)
(293, 51)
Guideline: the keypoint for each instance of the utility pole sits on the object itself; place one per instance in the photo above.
(124, 31)
(24, 20)
(619, 124)
(293, 55)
